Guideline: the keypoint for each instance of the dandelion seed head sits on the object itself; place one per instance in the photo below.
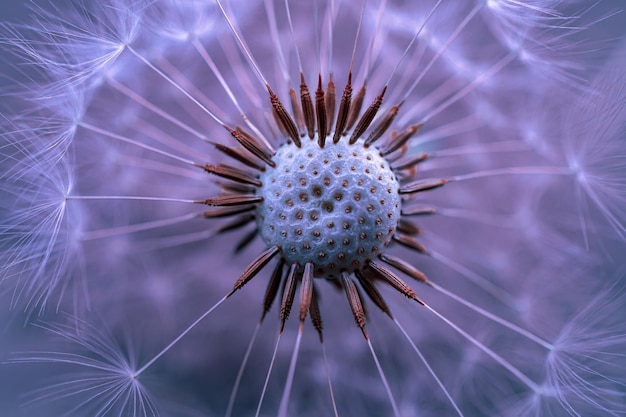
(336, 206)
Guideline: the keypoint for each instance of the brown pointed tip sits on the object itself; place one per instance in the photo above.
(365, 335)
(423, 185)
(302, 78)
(319, 81)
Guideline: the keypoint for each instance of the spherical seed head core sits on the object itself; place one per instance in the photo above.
(336, 206)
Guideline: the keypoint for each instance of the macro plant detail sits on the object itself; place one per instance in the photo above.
(179, 175)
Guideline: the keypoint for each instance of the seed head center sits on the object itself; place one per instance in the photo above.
(336, 206)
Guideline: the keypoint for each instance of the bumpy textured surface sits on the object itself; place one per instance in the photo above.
(336, 207)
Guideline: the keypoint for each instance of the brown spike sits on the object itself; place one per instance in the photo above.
(297, 111)
(236, 223)
(409, 242)
(331, 99)
(233, 200)
(367, 117)
(246, 240)
(238, 155)
(229, 187)
(306, 291)
(279, 123)
(408, 228)
(422, 185)
(393, 157)
(419, 211)
(320, 110)
(227, 211)
(253, 146)
(316, 316)
(401, 139)
(403, 266)
(233, 174)
(272, 287)
(373, 293)
(383, 273)
(289, 293)
(411, 163)
(254, 268)
(355, 302)
(382, 126)
(363, 302)
(344, 109)
(283, 117)
(355, 108)
(307, 107)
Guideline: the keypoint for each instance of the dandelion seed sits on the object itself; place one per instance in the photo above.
(104, 382)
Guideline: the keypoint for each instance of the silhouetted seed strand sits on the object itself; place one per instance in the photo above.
(307, 107)
(355, 108)
(233, 174)
(239, 155)
(409, 242)
(331, 98)
(236, 223)
(297, 111)
(289, 293)
(411, 163)
(405, 267)
(227, 211)
(422, 185)
(272, 287)
(283, 118)
(382, 126)
(254, 268)
(246, 240)
(354, 299)
(344, 109)
(419, 211)
(316, 315)
(320, 110)
(409, 228)
(401, 139)
(306, 291)
(367, 117)
(253, 146)
(386, 275)
(233, 200)
(373, 293)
